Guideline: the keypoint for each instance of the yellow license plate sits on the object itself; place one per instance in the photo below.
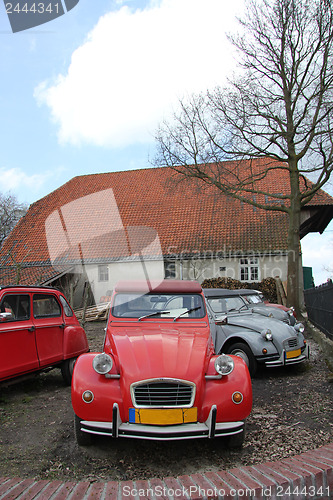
(293, 354)
(157, 416)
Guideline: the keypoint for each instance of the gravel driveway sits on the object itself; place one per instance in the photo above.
(292, 413)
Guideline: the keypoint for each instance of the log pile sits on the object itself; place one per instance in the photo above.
(267, 286)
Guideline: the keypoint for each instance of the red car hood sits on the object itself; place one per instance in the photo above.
(155, 351)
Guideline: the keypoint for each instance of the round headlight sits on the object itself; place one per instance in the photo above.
(299, 327)
(102, 363)
(224, 364)
(267, 334)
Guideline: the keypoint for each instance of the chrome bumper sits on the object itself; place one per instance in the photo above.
(283, 360)
(117, 428)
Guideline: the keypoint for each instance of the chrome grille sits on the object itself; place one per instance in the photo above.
(291, 343)
(163, 393)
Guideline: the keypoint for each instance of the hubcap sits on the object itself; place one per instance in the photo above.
(241, 354)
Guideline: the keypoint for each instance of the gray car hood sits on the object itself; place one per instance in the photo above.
(267, 311)
(259, 323)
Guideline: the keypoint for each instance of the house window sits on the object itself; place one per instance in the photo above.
(103, 273)
(169, 269)
(249, 269)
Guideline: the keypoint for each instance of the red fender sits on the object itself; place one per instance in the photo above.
(75, 341)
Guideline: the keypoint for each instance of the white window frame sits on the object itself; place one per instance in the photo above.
(103, 273)
(170, 269)
(249, 269)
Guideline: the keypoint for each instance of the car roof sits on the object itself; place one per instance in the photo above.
(28, 287)
(164, 286)
(225, 292)
(220, 292)
(248, 291)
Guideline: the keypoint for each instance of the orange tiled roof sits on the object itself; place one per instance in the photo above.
(101, 217)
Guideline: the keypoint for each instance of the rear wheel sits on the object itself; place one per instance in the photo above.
(67, 368)
(82, 438)
(243, 351)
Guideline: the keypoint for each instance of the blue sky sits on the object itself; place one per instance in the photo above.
(84, 93)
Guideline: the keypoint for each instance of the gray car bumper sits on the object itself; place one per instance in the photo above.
(284, 360)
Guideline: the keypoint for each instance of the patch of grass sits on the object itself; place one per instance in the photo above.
(27, 399)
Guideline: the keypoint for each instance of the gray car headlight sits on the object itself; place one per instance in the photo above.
(102, 363)
(224, 364)
(299, 327)
(291, 311)
(267, 334)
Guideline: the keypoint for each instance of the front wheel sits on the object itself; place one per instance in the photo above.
(243, 351)
(67, 368)
(82, 438)
(237, 440)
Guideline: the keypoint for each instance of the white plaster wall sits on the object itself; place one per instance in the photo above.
(198, 269)
(123, 271)
(269, 266)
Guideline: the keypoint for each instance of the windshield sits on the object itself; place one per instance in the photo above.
(177, 306)
(254, 299)
(226, 304)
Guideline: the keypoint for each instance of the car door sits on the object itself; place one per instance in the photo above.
(17, 336)
(49, 324)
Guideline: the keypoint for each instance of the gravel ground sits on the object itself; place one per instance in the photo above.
(292, 413)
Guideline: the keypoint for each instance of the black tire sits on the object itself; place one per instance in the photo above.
(82, 438)
(243, 351)
(67, 368)
(237, 440)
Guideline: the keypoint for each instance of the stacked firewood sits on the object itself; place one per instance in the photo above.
(267, 286)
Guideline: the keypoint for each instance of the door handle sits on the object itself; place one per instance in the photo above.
(32, 329)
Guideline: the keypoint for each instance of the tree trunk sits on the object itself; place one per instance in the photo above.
(294, 253)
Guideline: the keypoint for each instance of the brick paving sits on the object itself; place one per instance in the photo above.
(305, 476)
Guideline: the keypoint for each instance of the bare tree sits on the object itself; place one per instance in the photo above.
(278, 108)
(11, 212)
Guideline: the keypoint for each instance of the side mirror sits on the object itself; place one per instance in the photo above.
(6, 316)
(222, 320)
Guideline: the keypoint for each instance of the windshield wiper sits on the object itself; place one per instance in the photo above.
(187, 311)
(153, 314)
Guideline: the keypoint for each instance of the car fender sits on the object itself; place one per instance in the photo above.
(75, 341)
(254, 340)
(219, 392)
(105, 390)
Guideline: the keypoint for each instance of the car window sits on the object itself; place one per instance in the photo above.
(132, 305)
(218, 305)
(46, 306)
(16, 304)
(225, 304)
(254, 299)
(67, 309)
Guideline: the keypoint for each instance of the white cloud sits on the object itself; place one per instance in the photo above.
(14, 178)
(26, 187)
(134, 65)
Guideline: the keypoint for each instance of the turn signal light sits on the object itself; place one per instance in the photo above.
(237, 397)
(87, 396)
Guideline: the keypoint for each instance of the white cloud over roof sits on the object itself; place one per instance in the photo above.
(136, 64)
